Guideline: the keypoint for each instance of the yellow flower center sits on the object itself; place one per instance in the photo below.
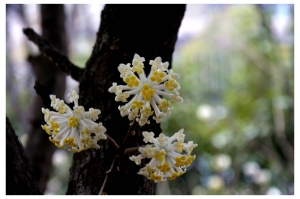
(171, 84)
(180, 160)
(179, 146)
(189, 160)
(173, 176)
(157, 76)
(164, 104)
(136, 104)
(160, 155)
(56, 143)
(54, 126)
(165, 167)
(70, 141)
(155, 177)
(46, 128)
(73, 121)
(131, 81)
(147, 92)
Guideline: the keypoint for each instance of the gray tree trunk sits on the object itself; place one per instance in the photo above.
(150, 31)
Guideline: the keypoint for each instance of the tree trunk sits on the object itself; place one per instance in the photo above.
(38, 148)
(19, 178)
(150, 31)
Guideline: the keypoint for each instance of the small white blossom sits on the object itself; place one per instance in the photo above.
(167, 161)
(146, 91)
(93, 113)
(123, 110)
(115, 89)
(148, 137)
(73, 129)
(124, 70)
(73, 97)
(142, 121)
(136, 159)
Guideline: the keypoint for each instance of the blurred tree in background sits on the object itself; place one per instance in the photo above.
(237, 82)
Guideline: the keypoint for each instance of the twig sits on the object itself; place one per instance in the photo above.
(112, 141)
(106, 176)
(130, 133)
(54, 55)
(132, 150)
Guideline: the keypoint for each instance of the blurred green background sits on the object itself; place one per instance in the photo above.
(237, 80)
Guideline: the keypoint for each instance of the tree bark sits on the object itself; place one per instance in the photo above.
(19, 178)
(150, 31)
(38, 148)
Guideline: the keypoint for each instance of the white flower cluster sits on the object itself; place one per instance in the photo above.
(74, 130)
(166, 162)
(146, 90)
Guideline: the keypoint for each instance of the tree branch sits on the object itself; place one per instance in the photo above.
(54, 55)
(105, 180)
(43, 92)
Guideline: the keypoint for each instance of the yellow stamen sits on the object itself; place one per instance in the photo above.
(173, 176)
(155, 177)
(189, 160)
(136, 104)
(160, 155)
(46, 128)
(54, 126)
(56, 143)
(179, 146)
(164, 105)
(171, 84)
(157, 76)
(180, 160)
(165, 167)
(70, 141)
(73, 121)
(147, 92)
(131, 81)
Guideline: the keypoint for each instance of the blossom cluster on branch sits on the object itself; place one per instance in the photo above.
(166, 162)
(74, 130)
(146, 91)
(145, 96)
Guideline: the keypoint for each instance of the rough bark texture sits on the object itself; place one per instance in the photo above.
(19, 178)
(38, 148)
(150, 31)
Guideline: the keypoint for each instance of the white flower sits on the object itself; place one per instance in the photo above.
(73, 129)
(73, 97)
(124, 70)
(94, 113)
(147, 91)
(148, 137)
(115, 89)
(166, 162)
